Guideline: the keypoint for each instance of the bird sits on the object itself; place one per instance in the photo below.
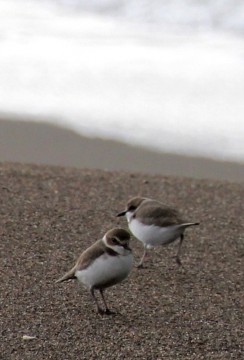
(154, 224)
(105, 263)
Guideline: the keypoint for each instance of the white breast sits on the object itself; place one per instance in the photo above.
(106, 269)
(152, 235)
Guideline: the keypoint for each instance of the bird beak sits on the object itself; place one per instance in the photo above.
(122, 213)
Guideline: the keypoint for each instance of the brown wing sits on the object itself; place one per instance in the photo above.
(90, 254)
(154, 214)
(84, 260)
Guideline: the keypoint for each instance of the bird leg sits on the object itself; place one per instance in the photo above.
(107, 311)
(99, 309)
(140, 265)
(179, 250)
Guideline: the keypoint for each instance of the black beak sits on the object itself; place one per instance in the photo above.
(122, 213)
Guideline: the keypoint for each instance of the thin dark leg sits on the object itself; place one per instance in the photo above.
(179, 250)
(140, 265)
(99, 309)
(107, 311)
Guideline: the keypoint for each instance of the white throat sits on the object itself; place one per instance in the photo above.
(118, 249)
(129, 216)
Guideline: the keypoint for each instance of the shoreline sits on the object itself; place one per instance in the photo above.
(50, 144)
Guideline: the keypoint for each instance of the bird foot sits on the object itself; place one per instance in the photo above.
(100, 311)
(140, 266)
(178, 261)
(105, 312)
(109, 312)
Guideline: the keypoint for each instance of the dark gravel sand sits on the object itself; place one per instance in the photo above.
(49, 215)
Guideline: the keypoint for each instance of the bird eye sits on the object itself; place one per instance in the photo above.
(115, 241)
(132, 208)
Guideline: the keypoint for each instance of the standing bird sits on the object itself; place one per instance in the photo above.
(107, 262)
(154, 224)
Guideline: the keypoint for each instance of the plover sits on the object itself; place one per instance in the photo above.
(107, 262)
(154, 224)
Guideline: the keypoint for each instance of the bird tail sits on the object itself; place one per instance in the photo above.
(69, 275)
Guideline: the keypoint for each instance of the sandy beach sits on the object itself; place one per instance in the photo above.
(50, 214)
(43, 143)
(101, 101)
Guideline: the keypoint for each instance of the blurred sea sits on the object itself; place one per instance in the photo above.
(164, 74)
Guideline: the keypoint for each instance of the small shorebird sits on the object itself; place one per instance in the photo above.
(154, 224)
(107, 262)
